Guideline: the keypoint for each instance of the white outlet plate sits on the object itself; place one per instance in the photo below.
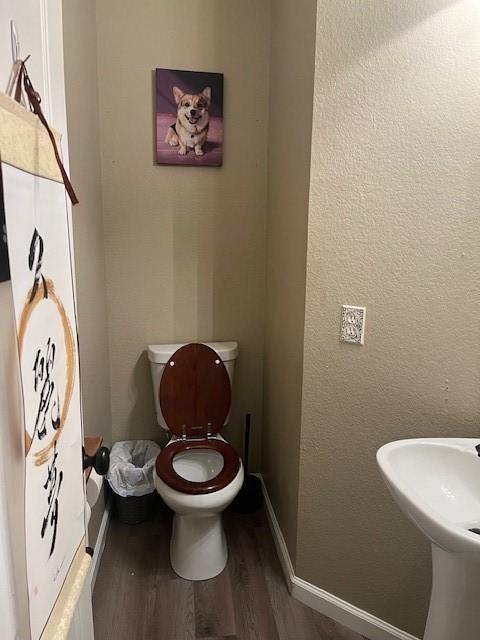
(353, 324)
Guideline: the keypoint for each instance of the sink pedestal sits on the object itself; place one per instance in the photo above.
(455, 600)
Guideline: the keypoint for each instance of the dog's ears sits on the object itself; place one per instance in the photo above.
(177, 94)
(207, 92)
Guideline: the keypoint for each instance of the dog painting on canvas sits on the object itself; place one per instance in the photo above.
(189, 117)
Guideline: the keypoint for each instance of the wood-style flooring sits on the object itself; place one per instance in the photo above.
(137, 595)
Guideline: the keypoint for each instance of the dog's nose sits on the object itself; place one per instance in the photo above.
(193, 112)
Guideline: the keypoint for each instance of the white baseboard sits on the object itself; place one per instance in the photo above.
(100, 544)
(326, 603)
(278, 539)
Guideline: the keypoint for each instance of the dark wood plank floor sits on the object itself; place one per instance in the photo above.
(138, 596)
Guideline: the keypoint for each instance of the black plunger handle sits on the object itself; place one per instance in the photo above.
(248, 417)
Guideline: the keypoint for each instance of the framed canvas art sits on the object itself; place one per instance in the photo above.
(189, 118)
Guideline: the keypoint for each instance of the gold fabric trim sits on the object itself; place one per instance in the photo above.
(60, 619)
(24, 141)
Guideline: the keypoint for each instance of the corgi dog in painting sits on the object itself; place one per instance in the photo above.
(190, 131)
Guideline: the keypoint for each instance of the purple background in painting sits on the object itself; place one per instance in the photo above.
(189, 82)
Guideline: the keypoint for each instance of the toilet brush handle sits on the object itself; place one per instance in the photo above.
(248, 418)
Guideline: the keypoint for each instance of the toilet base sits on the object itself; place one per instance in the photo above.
(198, 548)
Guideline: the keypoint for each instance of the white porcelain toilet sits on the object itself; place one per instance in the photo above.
(198, 473)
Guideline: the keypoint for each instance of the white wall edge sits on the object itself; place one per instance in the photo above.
(100, 544)
(326, 603)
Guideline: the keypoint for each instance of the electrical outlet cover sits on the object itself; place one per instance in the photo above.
(353, 324)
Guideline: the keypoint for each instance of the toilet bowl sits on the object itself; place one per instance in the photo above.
(198, 473)
(198, 548)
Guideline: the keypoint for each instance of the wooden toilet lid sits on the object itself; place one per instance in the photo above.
(195, 392)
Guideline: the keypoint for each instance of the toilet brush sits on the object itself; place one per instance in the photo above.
(250, 497)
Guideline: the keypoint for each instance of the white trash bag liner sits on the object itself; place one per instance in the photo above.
(131, 467)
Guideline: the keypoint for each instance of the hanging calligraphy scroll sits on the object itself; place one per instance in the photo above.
(41, 270)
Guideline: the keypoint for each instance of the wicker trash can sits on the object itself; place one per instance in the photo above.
(131, 479)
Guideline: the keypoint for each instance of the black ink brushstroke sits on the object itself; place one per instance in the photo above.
(42, 375)
(35, 256)
(52, 485)
(4, 264)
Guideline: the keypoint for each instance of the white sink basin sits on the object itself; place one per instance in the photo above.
(436, 483)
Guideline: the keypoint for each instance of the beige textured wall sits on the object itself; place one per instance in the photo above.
(83, 129)
(184, 245)
(393, 225)
(291, 99)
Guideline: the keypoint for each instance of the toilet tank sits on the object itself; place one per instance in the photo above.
(160, 354)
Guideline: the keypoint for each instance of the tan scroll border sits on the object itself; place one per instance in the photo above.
(61, 617)
(24, 141)
(42, 456)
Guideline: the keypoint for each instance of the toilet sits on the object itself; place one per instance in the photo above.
(197, 473)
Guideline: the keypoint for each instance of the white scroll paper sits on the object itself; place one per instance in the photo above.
(42, 281)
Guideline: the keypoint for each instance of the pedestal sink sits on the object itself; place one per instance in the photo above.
(436, 483)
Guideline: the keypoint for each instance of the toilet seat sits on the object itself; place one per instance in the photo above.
(166, 472)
